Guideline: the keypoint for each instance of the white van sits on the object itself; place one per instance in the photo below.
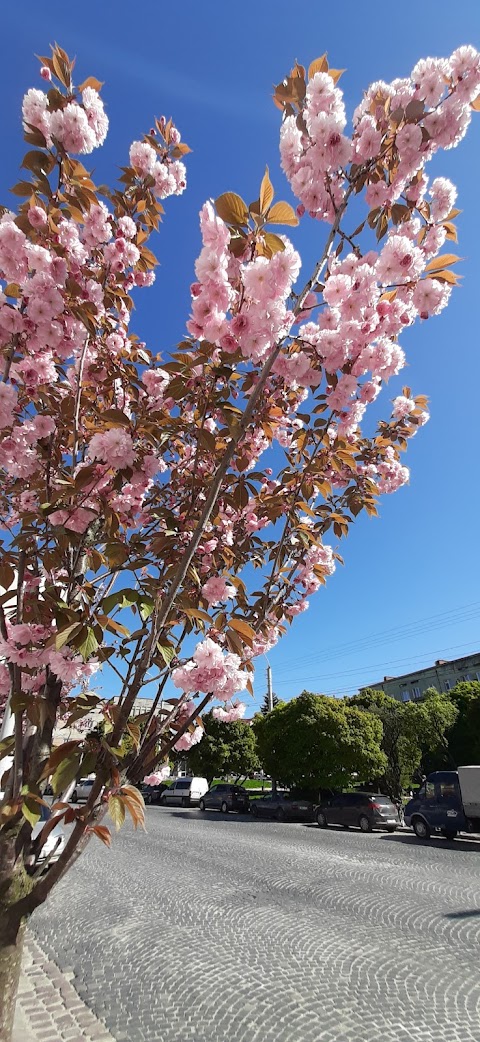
(185, 791)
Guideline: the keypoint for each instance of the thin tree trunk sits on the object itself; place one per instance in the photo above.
(16, 906)
(11, 949)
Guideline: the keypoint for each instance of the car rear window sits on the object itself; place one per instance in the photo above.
(385, 801)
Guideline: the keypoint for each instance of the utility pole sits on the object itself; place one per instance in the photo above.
(269, 688)
(270, 707)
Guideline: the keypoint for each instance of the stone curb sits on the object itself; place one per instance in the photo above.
(49, 1008)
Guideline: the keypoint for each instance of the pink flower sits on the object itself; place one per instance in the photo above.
(8, 401)
(217, 589)
(114, 447)
(142, 157)
(45, 73)
(227, 716)
(37, 216)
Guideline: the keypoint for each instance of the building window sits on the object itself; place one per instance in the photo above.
(447, 685)
(416, 692)
(405, 696)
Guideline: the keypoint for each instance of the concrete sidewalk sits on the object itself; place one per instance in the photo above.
(49, 1009)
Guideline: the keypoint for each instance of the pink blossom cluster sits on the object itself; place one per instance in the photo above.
(315, 156)
(317, 557)
(240, 307)
(227, 716)
(158, 776)
(26, 645)
(187, 740)
(217, 589)
(212, 671)
(78, 128)
(169, 175)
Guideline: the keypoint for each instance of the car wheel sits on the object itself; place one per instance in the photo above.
(449, 833)
(254, 811)
(364, 823)
(322, 819)
(421, 829)
(74, 797)
(279, 814)
(163, 801)
(202, 804)
(224, 808)
(147, 799)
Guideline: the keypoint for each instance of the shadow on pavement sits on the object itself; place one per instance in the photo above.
(411, 839)
(467, 914)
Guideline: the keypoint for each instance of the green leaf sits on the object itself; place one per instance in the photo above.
(62, 752)
(66, 771)
(122, 598)
(63, 636)
(31, 810)
(146, 607)
(89, 645)
(167, 652)
(8, 745)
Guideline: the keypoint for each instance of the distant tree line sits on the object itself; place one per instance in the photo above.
(316, 742)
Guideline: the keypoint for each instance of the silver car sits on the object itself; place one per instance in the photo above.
(82, 789)
(54, 843)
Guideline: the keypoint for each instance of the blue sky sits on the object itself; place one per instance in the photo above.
(410, 590)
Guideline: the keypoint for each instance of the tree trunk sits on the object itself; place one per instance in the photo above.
(11, 948)
(16, 906)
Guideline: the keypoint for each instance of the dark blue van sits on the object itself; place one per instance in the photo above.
(437, 807)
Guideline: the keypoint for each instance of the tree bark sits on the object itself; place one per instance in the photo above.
(15, 908)
(11, 947)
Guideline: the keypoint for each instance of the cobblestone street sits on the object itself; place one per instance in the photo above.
(213, 929)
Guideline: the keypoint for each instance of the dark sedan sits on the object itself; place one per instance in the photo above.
(366, 810)
(153, 793)
(283, 807)
(224, 797)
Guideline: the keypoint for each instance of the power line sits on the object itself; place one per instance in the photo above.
(443, 619)
(377, 665)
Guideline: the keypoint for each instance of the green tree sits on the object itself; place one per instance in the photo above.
(226, 749)
(411, 732)
(265, 708)
(464, 737)
(315, 741)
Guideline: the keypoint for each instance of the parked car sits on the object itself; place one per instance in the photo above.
(82, 790)
(53, 845)
(184, 791)
(225, 797)
(153, 793)
(283, 807)
(365, 810)
(448, 802)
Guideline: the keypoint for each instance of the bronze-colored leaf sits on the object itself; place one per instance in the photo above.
(442, 261)
(282, 213)
(319, 65)
(266, 192)
(91, 81)
(231, 208)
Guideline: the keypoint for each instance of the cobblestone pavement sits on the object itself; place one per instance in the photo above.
(49, 1008)
(213, 929)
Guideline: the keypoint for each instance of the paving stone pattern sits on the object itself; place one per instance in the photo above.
(213, 929)
(49, 1009)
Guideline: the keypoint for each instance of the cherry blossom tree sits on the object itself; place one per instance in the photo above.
(132, 486)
